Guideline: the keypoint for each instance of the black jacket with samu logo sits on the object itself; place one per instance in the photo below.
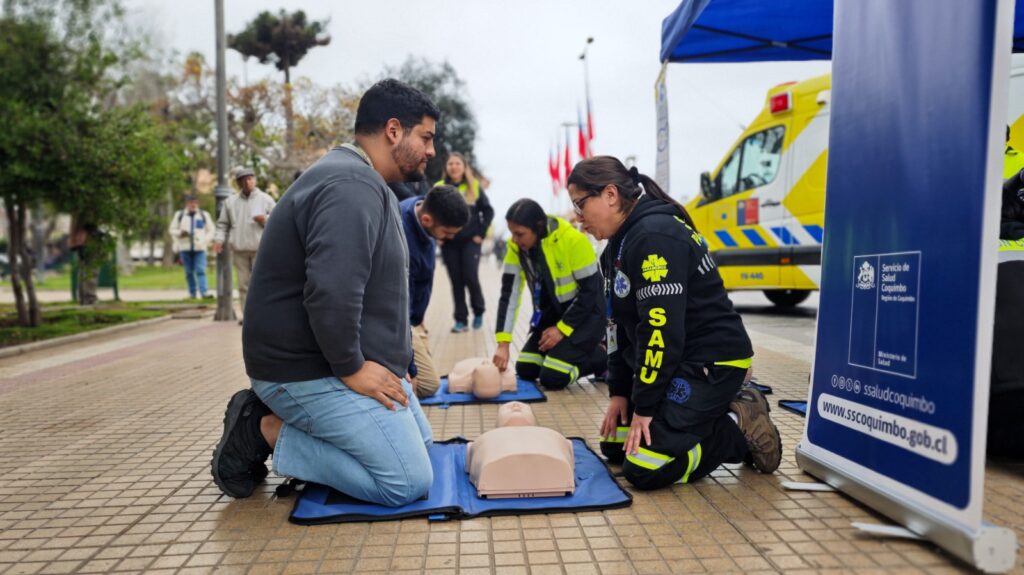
(673, 316)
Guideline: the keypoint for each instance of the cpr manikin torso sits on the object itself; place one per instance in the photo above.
(520, 459)
(477, 375)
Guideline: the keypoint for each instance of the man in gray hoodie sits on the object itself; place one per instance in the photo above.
(326, 334)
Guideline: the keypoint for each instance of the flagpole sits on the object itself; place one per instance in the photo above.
(586, 89)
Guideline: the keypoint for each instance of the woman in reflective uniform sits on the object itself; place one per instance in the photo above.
(678, 354)
(556, 266)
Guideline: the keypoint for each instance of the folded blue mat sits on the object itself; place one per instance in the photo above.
(452, 496)
(764, 389)
(526, 391)
(797, 406)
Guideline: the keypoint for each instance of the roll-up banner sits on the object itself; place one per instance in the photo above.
(899, 396)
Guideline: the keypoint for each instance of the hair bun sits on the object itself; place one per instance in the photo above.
(635, 175)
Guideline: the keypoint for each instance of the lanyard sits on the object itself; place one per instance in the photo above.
(537, 286)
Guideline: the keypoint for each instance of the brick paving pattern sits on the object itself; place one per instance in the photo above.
(105, 452)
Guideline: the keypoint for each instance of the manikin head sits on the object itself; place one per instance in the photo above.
(479, 376)
(515, 414)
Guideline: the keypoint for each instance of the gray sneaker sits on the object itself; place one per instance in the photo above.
(763, 439)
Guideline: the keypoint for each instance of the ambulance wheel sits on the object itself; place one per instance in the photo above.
(786, 297)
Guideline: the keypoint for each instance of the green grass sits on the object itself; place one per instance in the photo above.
(144, 277)
(69, 321)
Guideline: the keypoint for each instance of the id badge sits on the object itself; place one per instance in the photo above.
(612, 338)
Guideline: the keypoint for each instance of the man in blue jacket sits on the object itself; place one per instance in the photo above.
(437, 216)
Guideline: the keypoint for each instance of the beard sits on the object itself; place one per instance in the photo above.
(408, 161)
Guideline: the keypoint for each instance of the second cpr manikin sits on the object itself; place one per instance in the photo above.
(477, 375)
(520, 459)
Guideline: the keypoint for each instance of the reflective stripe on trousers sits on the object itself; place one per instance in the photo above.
(562, 367)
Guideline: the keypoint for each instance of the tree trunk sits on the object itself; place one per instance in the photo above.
(152, 250)
(13, 254)
(27, 267)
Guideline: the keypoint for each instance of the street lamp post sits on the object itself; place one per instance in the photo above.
(225, 309)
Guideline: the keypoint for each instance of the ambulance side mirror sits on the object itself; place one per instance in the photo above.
(707, 188)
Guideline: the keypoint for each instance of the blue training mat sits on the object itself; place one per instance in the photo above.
(452, 496)
(764, 389)
(797, 406)
(526, 392)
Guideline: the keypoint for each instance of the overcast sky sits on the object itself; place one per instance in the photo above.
(523, 76)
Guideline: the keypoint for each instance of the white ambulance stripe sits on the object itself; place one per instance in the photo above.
(813, 273)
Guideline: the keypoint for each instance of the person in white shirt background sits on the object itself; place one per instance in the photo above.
(192, 230)
(241, 224)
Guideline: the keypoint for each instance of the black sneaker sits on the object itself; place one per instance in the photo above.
(238, 460)
(763, 439)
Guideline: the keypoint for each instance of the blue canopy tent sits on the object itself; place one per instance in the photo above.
(760, 31)
(722, 31)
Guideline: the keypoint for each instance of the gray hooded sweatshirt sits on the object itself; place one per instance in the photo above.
(329, 290)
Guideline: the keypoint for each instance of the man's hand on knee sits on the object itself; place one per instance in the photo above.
(376, 381)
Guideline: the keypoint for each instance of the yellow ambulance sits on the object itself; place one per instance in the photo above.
(762, 209)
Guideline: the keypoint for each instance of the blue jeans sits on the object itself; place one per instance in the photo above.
(337, 437)
(195, 267)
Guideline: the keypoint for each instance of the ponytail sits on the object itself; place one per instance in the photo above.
(654, 190)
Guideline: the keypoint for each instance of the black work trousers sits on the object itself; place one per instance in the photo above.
(559, 366)
(462, 260)
(691, 433)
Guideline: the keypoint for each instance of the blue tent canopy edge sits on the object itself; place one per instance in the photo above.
(759, 31)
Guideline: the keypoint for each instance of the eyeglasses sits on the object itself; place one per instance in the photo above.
(577, 205)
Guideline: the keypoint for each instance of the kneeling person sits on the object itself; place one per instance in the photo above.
(678, 353)
(556, 265)
(326, 336)
(437, 216)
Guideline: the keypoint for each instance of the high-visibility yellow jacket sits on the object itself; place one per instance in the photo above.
(570, 285)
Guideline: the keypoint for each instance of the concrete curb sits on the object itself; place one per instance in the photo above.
(57, 341)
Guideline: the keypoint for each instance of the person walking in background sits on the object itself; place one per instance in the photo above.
(192, 229)
(242, 219)
(461, 254)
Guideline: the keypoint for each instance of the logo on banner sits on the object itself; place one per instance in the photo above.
(866, 276)
(654, 268)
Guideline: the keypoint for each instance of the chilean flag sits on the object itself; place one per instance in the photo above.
(584, 138)
(590, 127)
(568, 160)
(556, 179)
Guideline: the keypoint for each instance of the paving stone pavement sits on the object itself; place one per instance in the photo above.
(105, 452)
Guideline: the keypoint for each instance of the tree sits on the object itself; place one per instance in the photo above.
(456, 132)
(283, 41)
(67, 144)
